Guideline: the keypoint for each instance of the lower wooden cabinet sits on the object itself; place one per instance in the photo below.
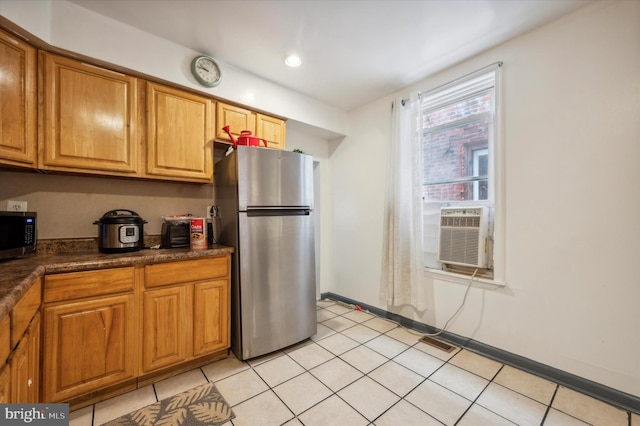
(186, 311)
(90, 338)
(88, 345)
(166, 323)
(25, 366)
(20, 382)
(5, 384)
(210, 316)
(107, 328)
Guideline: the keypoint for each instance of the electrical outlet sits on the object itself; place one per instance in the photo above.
(209, 213)
(17, 206)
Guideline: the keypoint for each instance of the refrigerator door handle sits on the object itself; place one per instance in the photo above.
(278, 212)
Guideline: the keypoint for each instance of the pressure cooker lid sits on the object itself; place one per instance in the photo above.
(121, 216)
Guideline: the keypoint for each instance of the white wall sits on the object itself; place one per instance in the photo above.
(318, 147)
(572, 152)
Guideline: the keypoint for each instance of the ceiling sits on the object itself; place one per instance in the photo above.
(353, 51)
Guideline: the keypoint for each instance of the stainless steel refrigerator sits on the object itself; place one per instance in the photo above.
(265, 200)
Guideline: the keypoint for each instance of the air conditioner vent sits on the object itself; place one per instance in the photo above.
(460, 222)
(463, 236)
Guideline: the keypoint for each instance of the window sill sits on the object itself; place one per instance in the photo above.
(463, 279)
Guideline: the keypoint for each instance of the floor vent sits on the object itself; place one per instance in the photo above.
(437, 343)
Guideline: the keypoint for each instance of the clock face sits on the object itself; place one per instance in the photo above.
(206, 71)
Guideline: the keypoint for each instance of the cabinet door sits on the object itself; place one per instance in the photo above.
(25, 366)
(238, 119)
(17, 102)
(5, 340)
(210, 316)
(179, 134)
(271, 129)
(88, 345)
(167, 321)
(89, 119)
(5, 384)
(19, 363)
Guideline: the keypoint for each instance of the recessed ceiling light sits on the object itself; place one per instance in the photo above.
(293, 61)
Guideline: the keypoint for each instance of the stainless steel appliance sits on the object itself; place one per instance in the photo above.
(120, 231)
(17, 233)
(265, 200)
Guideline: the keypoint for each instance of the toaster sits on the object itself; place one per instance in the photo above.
(176, 234)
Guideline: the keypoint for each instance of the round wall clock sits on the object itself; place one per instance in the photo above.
(206, 71)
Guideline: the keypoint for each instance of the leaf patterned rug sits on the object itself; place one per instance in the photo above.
(202, 405)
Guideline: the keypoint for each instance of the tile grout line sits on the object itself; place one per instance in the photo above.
(553, 397)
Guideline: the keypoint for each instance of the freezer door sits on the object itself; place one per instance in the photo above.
(274, 178)
(277, 281)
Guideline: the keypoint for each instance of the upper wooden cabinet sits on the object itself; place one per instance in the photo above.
(238, 119)
(18, 102)
(63, 114)
(89, 118)
(271, 129)
(179, 135)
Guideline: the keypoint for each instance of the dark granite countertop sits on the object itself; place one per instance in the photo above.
(17, 275)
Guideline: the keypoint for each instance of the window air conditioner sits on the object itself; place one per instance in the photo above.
(463, 236)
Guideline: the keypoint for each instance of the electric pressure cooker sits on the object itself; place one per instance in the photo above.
(120, 231)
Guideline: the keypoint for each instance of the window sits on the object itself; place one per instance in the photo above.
(458, 128)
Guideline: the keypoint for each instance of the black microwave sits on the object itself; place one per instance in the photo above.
(17, 233)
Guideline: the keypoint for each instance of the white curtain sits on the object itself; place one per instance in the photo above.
(402, 256)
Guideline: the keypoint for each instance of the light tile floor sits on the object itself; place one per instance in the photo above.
(364, 370)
